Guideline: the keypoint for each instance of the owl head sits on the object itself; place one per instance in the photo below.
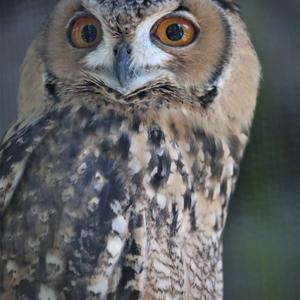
(199, 49)
(128, 44)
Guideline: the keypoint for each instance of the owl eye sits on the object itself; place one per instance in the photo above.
(85, 32)
(175, 31)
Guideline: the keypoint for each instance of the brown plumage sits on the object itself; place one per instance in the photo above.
(116, 184)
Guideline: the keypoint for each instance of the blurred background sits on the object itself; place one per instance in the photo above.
(262, 236)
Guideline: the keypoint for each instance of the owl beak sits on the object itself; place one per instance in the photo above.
(122, 64)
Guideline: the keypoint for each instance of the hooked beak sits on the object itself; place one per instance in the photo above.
(122, 64)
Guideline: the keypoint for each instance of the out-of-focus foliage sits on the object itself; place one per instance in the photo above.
(262, 237)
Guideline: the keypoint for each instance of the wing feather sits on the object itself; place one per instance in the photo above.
(16, 148)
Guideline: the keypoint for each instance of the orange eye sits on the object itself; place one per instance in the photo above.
(175, 31)
(85, 32)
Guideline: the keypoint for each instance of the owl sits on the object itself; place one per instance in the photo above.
(133, 119)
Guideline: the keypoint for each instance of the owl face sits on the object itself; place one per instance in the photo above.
(130, 45)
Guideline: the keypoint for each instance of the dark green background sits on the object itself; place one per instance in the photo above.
(262, 237)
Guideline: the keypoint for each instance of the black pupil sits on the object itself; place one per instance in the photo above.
(175, 32)
(89, 33)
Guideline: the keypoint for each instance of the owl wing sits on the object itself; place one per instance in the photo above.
(67, 205)
(16, 148)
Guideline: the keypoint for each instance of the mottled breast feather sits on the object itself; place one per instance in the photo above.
(98, 206)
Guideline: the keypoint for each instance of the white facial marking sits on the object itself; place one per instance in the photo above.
(144, 54)
(103, 55)
(144, 51)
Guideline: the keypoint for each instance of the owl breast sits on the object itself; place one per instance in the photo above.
(106, 206)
